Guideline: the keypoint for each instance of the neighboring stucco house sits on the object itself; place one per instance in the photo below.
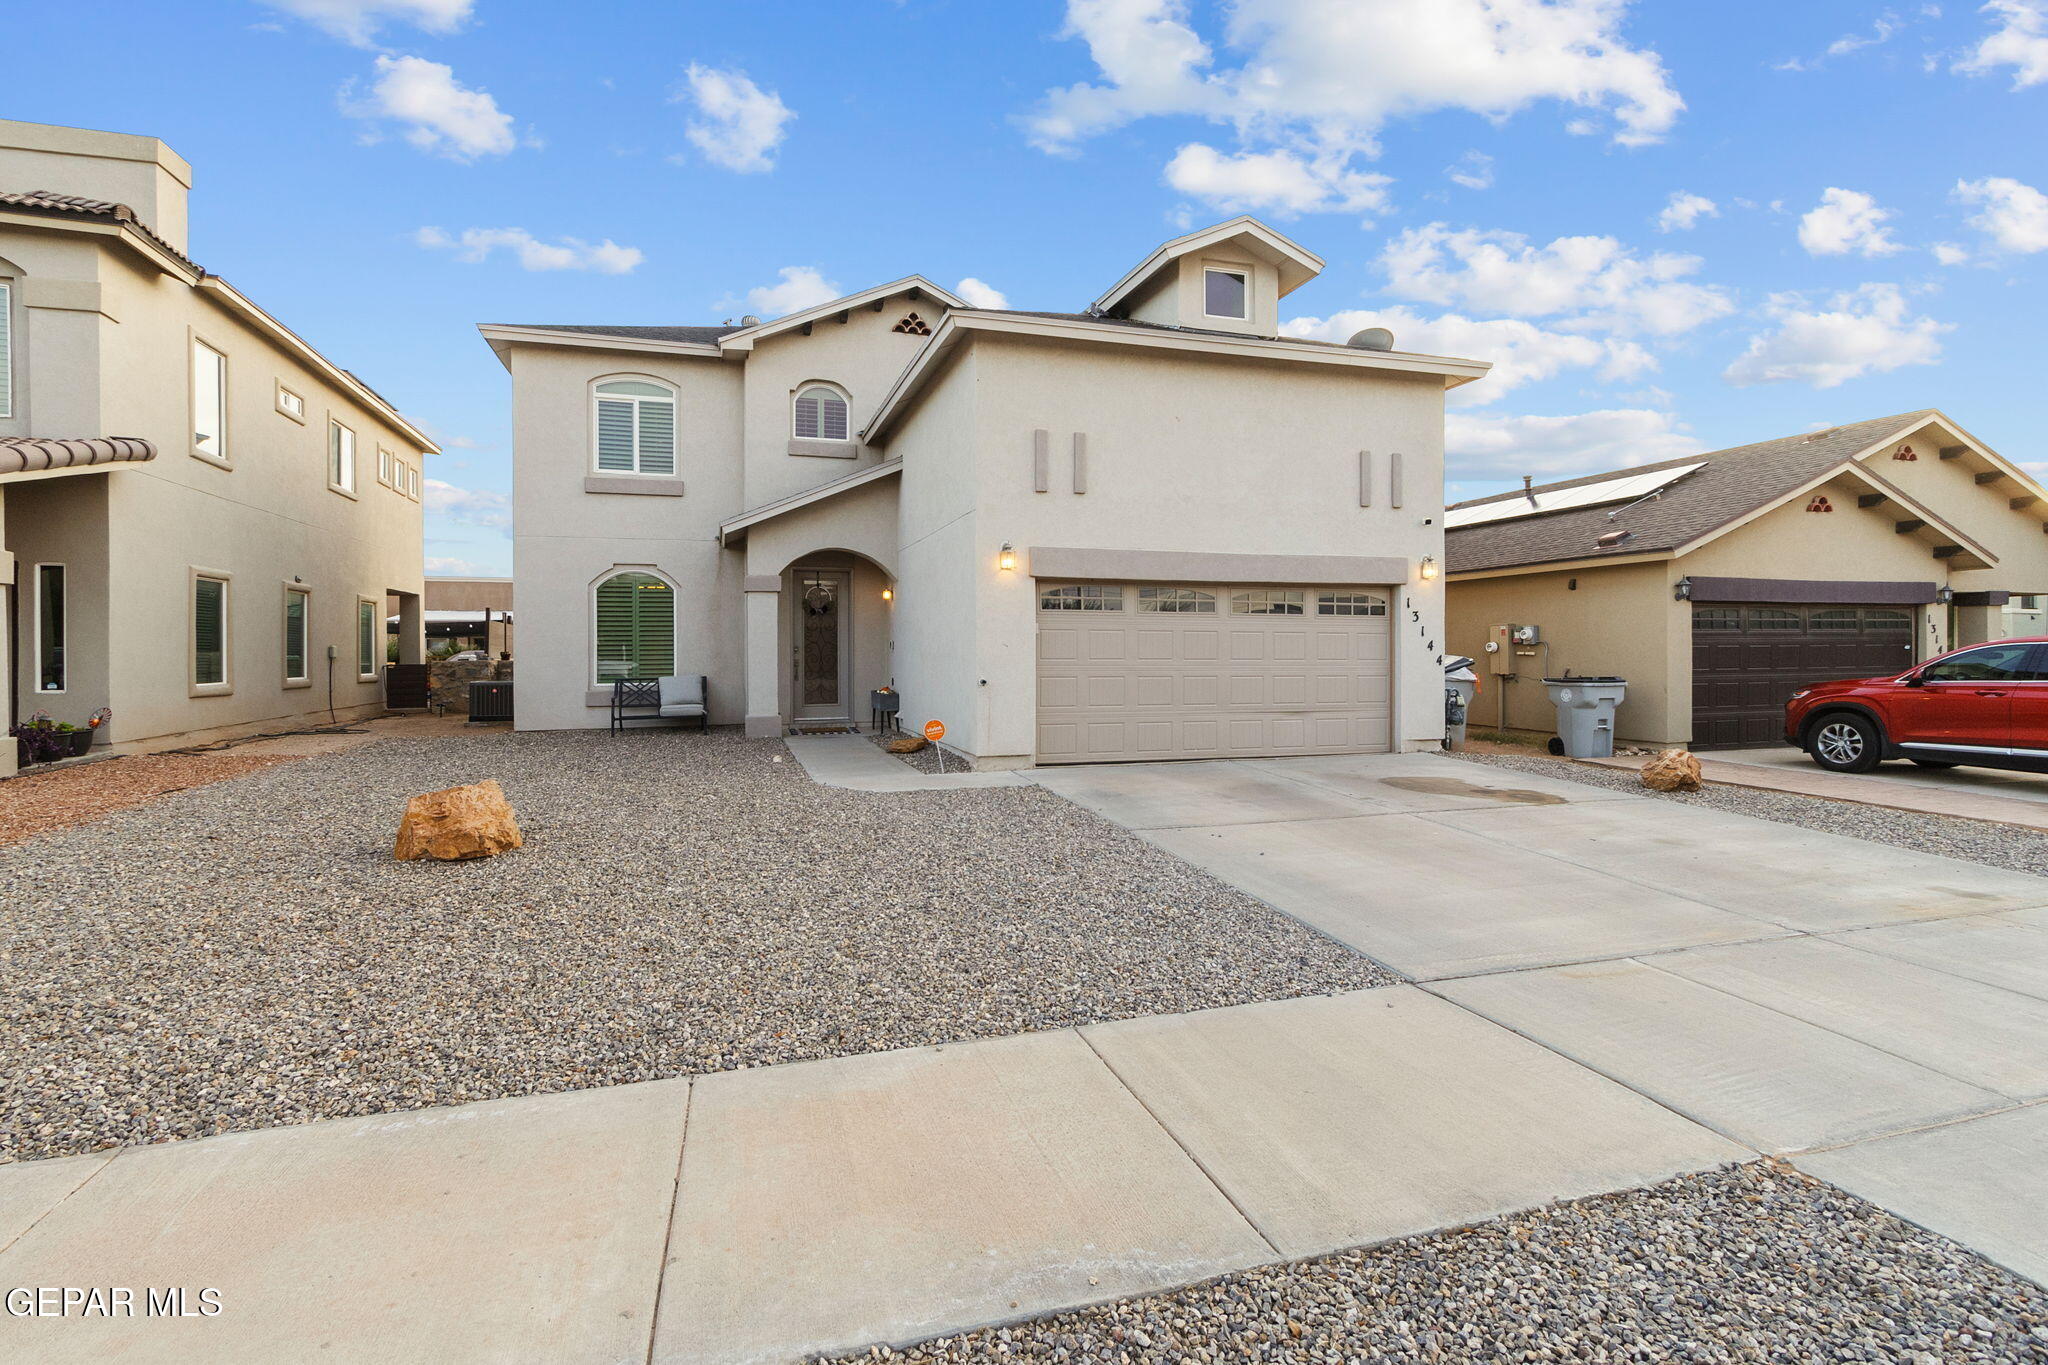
(468, 612)
(194, 504)
(1719, 584)
(1154, 529)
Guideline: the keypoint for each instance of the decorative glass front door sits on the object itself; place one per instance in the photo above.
(820, 638)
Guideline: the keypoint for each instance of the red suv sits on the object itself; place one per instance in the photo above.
(1986, 706)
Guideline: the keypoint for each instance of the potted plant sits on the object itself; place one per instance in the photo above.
(38, 740)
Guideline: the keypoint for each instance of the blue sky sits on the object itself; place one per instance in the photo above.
(1673, 226)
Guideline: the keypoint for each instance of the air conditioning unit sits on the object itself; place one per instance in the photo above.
(490, 701)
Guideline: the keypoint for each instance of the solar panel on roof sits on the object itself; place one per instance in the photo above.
(1627, 488)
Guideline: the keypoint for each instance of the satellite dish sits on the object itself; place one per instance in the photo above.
(750, 321)
(1372, 339)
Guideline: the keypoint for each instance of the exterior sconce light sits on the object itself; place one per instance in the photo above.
(888, 594)
(1681, 591)
(1007, 559)
(1944, 595)
(1428, 567)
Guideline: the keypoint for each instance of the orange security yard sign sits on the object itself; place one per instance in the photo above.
(935, 730)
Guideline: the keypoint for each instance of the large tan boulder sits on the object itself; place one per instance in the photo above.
(1673, 770)
(906, 744)
(458, 822)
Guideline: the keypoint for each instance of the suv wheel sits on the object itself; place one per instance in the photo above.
(1844, 743)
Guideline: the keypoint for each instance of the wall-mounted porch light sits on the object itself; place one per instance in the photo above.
(888, 594)
(1007, 559)
(1944, 595)
(1681, 591)
(1428, 567)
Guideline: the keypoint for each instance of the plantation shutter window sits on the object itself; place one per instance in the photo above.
(636, 427)
(294, 635)
(820, 415)
(366, 638)
(6, 349)
(209, 631)
(636, 628)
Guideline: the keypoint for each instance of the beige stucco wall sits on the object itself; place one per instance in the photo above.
(1186, 452)
(861, 356)
(107, 351)
(1949, 489)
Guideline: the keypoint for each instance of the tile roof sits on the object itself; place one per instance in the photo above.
(1732, 484)
(75, 206)
(32, 454)
(701, 336)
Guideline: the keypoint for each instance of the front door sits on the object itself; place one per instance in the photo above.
(821, 644)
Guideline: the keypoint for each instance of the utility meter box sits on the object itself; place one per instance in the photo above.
(1500, 650)
(1527, 635)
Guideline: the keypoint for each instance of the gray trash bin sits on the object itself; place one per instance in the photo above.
(1585, 713)
(1461, 684)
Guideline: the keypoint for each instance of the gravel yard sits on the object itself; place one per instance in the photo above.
(1753, 1263)
(1977, 841)
(37, 802)
(248, 954)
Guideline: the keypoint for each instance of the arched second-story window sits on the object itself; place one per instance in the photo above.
(636, 627)
(635, 427)
(820, 414)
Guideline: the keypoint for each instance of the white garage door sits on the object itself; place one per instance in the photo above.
(1129, 672)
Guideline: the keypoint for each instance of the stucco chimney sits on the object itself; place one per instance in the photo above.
(121, 168)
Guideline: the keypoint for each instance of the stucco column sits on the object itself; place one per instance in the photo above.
(412, 629)
(764, 655)
(1976, 622)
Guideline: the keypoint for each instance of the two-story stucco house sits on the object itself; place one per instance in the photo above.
(196, 506)
(1153, 529)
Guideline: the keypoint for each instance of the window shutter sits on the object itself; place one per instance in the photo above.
(807, 416)
(657, 437)
(833, 410)
(209, 630)
(6, 350)
(614, 435)
(636, 628)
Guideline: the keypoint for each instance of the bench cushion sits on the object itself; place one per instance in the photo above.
(686, 709)
(687, 690)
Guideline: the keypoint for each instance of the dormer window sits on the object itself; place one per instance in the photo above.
(1226, 294)
(820, 414)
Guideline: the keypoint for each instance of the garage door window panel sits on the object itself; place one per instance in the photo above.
(1269, 603)
(1351, 604)
(1082, 597)
(1177, 601)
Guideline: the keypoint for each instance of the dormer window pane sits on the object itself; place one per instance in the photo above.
(1225, 294)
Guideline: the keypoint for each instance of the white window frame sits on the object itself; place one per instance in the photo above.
(222, 457)
(836, 391)
(377, 643)
(1242, 274)
(590, 596)
(675, 410)
(304, 679)
(412, 482)
(226, 685)
(35, 658)
(296, 397)
(344, 486)
(6, 348)
(387, 468)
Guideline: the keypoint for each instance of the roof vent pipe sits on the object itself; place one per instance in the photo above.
(750, 321)
(1527, 491)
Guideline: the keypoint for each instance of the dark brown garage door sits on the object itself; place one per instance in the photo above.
(1747, 660)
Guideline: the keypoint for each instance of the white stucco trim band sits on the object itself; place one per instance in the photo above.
(733, 531)
(502, 337)
(1162, 566)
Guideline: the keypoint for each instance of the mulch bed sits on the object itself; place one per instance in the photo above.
(36, 802)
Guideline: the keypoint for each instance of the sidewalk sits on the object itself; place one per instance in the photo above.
(757, 1216)
(858, 763)
(1924, 793)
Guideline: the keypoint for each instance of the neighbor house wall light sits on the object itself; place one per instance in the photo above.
(1681, 591)
(1944, 595)
(1007, 560)
(1428, 567)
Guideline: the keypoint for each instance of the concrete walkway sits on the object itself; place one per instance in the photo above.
(1968, 793)
(760, 1215)
(858, 763)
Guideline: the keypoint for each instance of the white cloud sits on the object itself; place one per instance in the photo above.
(2019, 40)
(1862, 331)
(1882, 30)
(1683, 211)
(1279, 182)
(1489, 448)
(357, 21)
(569, 253)
(1847, 221)
(1474, 171)
(1333, 72)
(978, 294)
(443, 117)
(800, 287)
(1589, 283)
(1521, 352)
(470, 506)
(2014, 215)
(740, 124)
(442, 566)
(1948, 253)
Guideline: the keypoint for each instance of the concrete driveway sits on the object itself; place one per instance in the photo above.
(1880, 1016)
(2015, 786)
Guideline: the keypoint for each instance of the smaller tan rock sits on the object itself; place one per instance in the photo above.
(458, 822)
(1673, 770)
(908, 744)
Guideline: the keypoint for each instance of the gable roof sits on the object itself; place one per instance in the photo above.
(1730, 485)
(1296, 263)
